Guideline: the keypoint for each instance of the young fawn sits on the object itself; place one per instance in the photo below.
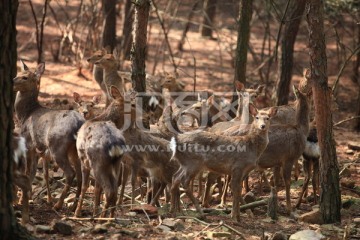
(48, 133)
(86, 108)
(237, 163)
(20, 179)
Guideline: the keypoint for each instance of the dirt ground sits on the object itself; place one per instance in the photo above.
(213, 71)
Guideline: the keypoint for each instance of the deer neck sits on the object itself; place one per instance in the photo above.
(259, 138)
(112, 113)
(98, 74)
(25, 104)
(303, 115)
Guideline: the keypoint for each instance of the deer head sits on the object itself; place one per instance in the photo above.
(27, 80)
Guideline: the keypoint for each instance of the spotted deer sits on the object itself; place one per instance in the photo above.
(238, 163)
(101, 146)
(50, 134)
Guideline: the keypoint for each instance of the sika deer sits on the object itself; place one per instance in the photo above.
(100, 145)
(238, 163)
(86, 108)
(311, 156)
(287, 143)
(50, 133)
(98, 73)
(20, 179)
(109, 64)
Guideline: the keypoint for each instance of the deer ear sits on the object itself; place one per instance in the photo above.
(96, 99)
(239, 86)
(115, 93)
(77, 97)
(23, 66)
(272, 111)
(307, 73)
(260, 88)
(116, 53)
(40, 70)
(210, 100)
(296, 91)
(253, 110)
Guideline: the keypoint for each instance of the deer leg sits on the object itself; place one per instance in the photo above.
(109, 203)
(287, 179)
(306, 165)
(78, 171)
(45, 162)
(211, 177)
(22, 181)
(97, 195)
(110, 196)
(124, 178)
(84, 187)
(200, 184)
(134, 172)
(236, 188)
(175, 193)
(63, 162)
(296, 169)
(315, 179)
(225, 190)
(155, 200)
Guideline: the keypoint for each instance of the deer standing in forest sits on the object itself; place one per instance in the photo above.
(49, 133)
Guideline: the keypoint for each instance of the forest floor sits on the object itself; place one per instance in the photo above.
(213, 71)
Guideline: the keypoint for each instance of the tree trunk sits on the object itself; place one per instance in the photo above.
(138, 53)
(209, 16)
(187, 26)
(356, 78)
(245, 12)
(128, 22)
(9, 229)
(109, 30)
(330, 198)
(287, 50)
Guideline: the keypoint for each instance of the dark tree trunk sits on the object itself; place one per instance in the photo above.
(9, 229)
(356, 78)
(245, 12)
(287, 51)
(128, 22)
(209, 16)
(109, 29)
(138, 53)
(330, 198)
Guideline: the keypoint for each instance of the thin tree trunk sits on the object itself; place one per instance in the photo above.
(287, 51)
(330, 198)
(187, 26)
(138, 51)
(245, 12)
(138, 54)
(209, 16)
(128, 22)
(9, 229)
(109, 30)
(356, 78)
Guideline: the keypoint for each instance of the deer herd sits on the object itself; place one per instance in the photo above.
(110, 144)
